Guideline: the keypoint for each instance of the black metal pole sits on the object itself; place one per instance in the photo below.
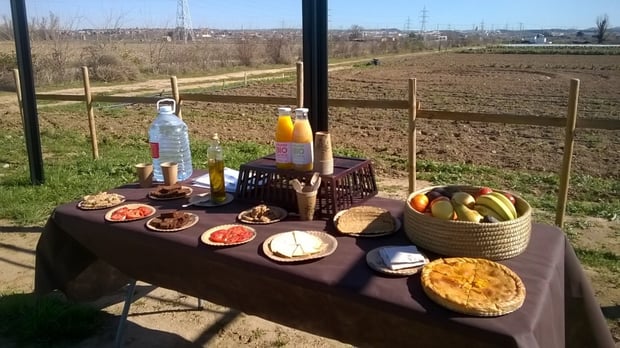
(314, 31)
(29, 101)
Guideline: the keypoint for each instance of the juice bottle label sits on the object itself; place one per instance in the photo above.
(283, 152)
(154, 150)
(302, 153)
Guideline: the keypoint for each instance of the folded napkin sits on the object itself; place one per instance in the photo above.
(399, 257)
(230, 180)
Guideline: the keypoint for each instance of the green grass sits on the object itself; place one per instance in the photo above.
(46, 321)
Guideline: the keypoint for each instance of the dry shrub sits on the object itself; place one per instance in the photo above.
(245, 51)
(105, 65)
(278, 50)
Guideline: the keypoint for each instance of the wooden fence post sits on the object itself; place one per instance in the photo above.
(91, 115)
(175, 95)
(569, 141)
(412, 134)
(300, 84)
(18, 90)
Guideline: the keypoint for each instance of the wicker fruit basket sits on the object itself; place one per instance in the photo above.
(494, 241)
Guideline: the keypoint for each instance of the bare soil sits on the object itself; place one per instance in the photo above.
(513, 84)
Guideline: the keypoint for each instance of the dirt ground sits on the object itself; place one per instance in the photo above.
(512, 84)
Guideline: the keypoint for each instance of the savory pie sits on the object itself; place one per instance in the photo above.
(473, 286)
(365, 220)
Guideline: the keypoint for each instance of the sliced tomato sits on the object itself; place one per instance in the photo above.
(145, 211)
(218, 236)
(117, 216)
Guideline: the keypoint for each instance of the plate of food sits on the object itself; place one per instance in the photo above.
(129, 212)
(366, 221)
(100, 200)
(172, 221)
(376, 262)
(295, 246)
(262, 215)
(168, 192)
(228, 235)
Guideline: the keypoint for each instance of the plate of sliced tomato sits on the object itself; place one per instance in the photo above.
(129, 212)
(227, 235)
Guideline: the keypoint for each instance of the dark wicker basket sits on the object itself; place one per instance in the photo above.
(494, 241)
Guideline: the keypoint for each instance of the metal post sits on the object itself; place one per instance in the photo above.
(314, 18)
(29, 100)
(120, 331)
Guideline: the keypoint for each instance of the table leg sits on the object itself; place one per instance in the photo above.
(123, 321)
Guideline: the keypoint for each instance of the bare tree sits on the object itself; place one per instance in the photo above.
(6, 28)
(245, 50)
(602, 26)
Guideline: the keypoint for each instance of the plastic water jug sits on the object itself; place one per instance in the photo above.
(169, 141)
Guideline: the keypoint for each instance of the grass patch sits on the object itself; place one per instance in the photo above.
(46, 321)
(599, 259)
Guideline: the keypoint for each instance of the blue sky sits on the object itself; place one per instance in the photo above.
(401, 14)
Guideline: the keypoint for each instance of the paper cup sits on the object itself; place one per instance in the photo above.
(169, 170)
(324, 167)
(322, 146)
(144, 171)
(306, 204)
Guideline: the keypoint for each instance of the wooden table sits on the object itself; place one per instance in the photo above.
(338, 296)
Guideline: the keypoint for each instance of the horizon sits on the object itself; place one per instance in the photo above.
(286, 14)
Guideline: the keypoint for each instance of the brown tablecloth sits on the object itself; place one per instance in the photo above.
(338, 296)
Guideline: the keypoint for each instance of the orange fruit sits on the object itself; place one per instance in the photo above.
(419, 202)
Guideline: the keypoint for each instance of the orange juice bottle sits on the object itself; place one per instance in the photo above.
(284, 137)
(302, 146)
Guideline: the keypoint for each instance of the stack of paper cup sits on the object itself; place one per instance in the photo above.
(323, 157)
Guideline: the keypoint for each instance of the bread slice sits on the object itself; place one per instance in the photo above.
(366, 220)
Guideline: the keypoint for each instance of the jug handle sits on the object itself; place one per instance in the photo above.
(167, 100)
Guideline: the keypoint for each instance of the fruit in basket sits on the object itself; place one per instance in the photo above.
(432, 195)
(487, 213)
(463, 213)
(502, 197)
(497, 205)
(443, 191)
(419, 202)
(442, 208)
(483, 191)
(463, 198)
(511, 198)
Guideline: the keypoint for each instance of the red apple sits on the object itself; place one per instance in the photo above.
(510, 197)
(483, 191)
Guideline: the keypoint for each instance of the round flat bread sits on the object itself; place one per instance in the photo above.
(365, 220)
(471, 286)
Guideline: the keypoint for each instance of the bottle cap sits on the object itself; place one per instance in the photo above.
(284, 110)
(165, 109)
(301, 111)
(215, 137)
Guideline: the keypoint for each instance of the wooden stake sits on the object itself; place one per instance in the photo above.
(300, 84)
(175, 95)
(18, 90)
(412, 134)
(569, 141)
(91, 114)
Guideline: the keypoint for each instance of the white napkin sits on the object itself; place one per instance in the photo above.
(230, 180)
(399, 257)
